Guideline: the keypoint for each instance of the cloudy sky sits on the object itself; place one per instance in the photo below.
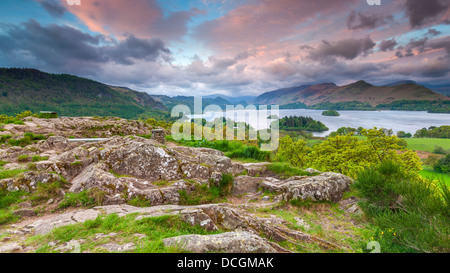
(231, 47)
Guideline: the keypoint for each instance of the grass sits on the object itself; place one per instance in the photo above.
(328, 222)
(232, 149)
(88, 198)
(10, 173)
(155, 228)
(208, 193)
(285, 170)
(28, 138)
(435, 176)
(37, 158)
(427, 144)
(7, 200)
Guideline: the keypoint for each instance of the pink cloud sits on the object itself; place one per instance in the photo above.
(263, 22)
(143, 18)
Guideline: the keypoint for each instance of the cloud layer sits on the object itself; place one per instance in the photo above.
(235, 48)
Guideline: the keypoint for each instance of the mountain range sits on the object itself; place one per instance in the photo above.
(359, 91)
(31, 89)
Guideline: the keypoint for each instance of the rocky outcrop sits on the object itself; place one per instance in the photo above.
(323, 187)
(28, 181)
(80, 127)
(230, 242)
(210, 217)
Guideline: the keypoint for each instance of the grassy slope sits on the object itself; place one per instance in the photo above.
(427, 144)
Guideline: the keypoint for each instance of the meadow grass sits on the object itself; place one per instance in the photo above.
(435, 176)
(427, 144)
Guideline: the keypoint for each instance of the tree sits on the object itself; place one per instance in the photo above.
(294, 152)
(349, 155)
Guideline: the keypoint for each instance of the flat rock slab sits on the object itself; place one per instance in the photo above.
(11, 247)
(324, 187)
(230, 242)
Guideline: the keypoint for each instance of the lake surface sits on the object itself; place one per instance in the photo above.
(407, 121)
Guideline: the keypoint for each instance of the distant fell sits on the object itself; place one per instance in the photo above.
(34, 90)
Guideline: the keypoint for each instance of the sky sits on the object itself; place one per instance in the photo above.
(229, 47)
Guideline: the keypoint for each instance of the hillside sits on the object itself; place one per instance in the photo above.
(326, 94)
(30, 89)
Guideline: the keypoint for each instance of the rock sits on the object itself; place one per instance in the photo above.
(82, 127)
(24, 205)
(57, 143)
(352, 209)
(255, 169)
(312, 171)
(25, 212)
(156, 195)
(145, 161)
(230, 242)
(11, 247)
(245, 184)
(158, 135)
(197, 217)
(45, 226)
(118, 248)
(324, 187)
(302, 223)
(96, 176)
(266, 198)
(195, 171)
(113, 200)
(74, 246)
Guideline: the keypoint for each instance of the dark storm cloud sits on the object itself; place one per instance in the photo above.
(367, 21)
(433, 32)
(66, 47)
(421, 11)
(53, 7)
(348, 49)
(388, 45)
(424, 45)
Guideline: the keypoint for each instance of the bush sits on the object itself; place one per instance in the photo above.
(249, 152)
(417, 209)
(379, 184)
(48, 115)
(440, 150)
(443, 165)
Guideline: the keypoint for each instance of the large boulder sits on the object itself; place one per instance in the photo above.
(144, 160)
(323, 187)
(97, 176)
(230, 242)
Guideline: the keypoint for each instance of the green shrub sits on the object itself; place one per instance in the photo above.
(443, 165)
(417, 209)
(249, 152)
(48, 115)
(380, 184)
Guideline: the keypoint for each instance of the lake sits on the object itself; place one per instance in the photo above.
(407, 121)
